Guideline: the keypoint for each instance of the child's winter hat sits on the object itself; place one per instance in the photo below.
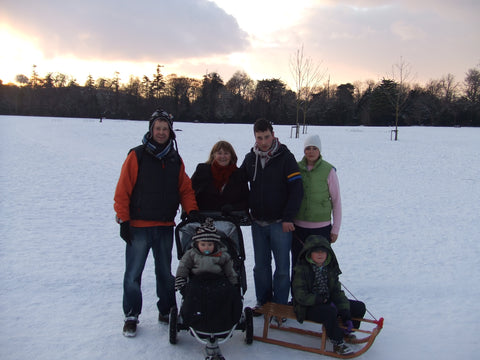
(313, 140)
(206, 232)
(319, 248)
(160, 114)
(327, 260)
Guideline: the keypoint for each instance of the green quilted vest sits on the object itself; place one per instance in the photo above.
(316, 204)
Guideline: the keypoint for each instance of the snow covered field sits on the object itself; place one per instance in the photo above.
(409, 246)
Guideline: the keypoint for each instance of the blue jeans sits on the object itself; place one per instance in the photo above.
(267, 240)
(160, 240)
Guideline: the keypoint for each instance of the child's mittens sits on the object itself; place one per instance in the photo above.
(180, 283)
(349, 326)
(347, 320)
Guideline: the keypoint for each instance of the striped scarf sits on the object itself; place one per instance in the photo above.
(154, 148)
(265, 156)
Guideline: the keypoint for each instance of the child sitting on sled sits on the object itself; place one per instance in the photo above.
(208, 282)
(317, 293)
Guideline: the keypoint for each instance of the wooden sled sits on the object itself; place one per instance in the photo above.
(269, 310)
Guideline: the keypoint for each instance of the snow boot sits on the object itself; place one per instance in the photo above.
(350, 338)
(130, 326)
(277, 321)
(342, 349)
(164, 319)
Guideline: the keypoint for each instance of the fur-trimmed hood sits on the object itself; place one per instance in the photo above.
(314, 242)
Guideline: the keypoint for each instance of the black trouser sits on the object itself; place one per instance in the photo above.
(327, 315)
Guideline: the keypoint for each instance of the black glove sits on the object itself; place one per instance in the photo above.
(195, 216)
(125, 232)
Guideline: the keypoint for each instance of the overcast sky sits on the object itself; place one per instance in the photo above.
(352, 40)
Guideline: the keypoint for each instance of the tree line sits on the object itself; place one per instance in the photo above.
(388, 102)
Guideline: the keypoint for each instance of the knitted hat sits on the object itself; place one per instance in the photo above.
(160, 114)
(206, 232)
(313, 140)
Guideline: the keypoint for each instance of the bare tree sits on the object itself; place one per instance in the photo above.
(433, 87)
(307, 76)
(449, 88)
(401, 75)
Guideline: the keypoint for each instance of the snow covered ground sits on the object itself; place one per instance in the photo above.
(409, 246)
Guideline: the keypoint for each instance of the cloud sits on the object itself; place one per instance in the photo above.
(370, 36)
(118, 30)
(353, 39)
(407, 31)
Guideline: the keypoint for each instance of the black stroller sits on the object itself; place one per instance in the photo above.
(211, 309)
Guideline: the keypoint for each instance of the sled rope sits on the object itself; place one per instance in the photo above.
(351, 294)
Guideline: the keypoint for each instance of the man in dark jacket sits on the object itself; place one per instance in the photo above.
(276, 192)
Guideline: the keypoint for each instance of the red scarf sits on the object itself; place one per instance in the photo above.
(221, 174)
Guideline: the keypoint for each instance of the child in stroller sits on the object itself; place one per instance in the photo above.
(207, 255)
(208, 279)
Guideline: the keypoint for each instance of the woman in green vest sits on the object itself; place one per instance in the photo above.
(321, 209)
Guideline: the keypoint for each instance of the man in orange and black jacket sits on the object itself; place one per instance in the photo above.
(152, 185)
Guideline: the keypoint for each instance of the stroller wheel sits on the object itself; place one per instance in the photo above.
(172, 325)
(248, 325)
